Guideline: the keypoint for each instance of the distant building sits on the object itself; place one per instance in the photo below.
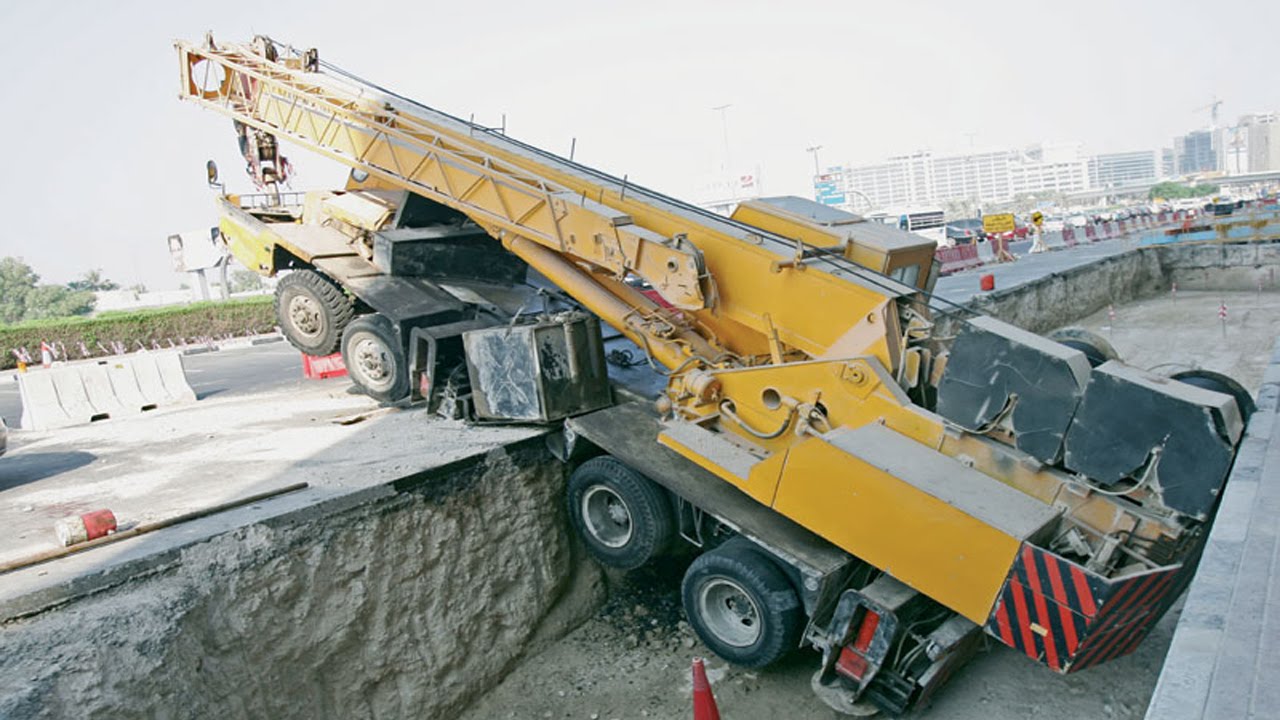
(1233, 149)
(1262, 141)
(1195, 152)
(923, 178)
(1168, 165)
(1111, 170)
(975, 177)
(1049, 168)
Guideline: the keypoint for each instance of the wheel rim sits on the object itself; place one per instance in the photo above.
(729, 612)
(371, 362)
(606, 516)
(306, 316)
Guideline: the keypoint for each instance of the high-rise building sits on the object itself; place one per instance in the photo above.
(1111, 170)
(1168, 163)
(1262, 141)
(1195, 152)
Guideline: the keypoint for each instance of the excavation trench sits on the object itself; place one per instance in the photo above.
(409, 598)
(402, 600)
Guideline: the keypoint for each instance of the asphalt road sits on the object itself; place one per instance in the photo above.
(235, 371)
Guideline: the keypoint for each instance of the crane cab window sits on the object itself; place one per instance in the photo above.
(907, 275)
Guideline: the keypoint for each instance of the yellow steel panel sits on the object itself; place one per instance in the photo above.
(774, 221)
(250, 249)
(935, 548)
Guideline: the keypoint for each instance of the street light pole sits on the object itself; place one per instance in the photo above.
(814, 149)
(724, 127)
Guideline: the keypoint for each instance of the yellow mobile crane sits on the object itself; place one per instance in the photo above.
(868, 476)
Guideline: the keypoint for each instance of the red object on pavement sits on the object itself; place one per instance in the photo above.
(704, 703)
(987, 282)
(98, 523)
(323, 367)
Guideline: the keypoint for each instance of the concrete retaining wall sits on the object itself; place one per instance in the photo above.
(406, 600)
(1061, 298)
(1215, 266)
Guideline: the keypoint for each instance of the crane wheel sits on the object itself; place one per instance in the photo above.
(1217, 382)
(372, 352)
(624, 518)
(1094, 346)
(313, 311)
(742, 605)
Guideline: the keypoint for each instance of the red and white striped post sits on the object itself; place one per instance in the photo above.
(1222, 315)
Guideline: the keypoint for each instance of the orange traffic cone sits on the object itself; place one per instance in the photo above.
(704, 703)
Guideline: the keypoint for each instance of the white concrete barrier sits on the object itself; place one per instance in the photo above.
(40, 406)
(97, 385)
(113, 387)
(125, 385)
(72, 396)
(149, 382)
(174, 377)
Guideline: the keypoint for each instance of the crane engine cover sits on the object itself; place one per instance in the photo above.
(1127, 413)
(1001, 375)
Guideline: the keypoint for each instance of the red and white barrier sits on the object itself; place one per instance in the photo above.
(957, 258)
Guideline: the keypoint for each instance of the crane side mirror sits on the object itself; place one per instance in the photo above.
(211, 173)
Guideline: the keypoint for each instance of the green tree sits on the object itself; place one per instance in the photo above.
(17, 280)
(1178, 191)
(22, 297)
(93, 281)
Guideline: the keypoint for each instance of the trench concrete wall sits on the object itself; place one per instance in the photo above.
(406, 600)
(1227, 266)
(1061, 298)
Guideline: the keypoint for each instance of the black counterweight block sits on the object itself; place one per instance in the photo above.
(1126, 413)
(991, 363)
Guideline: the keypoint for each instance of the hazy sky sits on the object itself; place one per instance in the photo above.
(104, 162)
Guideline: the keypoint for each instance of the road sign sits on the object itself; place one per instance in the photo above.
(1037, 217)
(1001, 223)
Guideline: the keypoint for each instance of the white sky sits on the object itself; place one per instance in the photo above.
(103, 161)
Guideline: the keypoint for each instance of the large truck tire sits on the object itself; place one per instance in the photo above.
(742, 606)
(313, 311)
(1217, 382)
(624, 518)
(374, 357)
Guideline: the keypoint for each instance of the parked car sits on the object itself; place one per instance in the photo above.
(964, 232)
(1078, 221)
(1054, 224)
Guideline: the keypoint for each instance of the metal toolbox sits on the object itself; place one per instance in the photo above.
(539, 371)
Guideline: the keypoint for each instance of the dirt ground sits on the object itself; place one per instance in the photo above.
(1180, 331)
(632, 660)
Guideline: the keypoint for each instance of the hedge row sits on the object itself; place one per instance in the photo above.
(149, 327)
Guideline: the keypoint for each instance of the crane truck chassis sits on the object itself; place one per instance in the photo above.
(870, 473)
